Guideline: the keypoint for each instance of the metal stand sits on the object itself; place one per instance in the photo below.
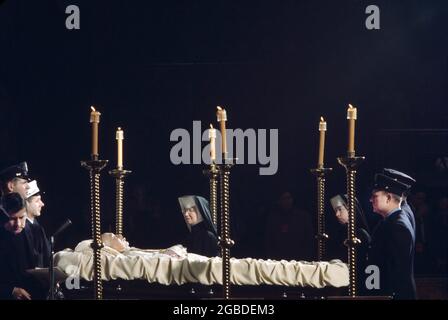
(351, 163)
(225, 242)
(66, 224)
(213, 175)
(95, 166)
(119, 174)
(52, 284)
(321, 236)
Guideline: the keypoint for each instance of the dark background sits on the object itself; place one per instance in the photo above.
(153, 66)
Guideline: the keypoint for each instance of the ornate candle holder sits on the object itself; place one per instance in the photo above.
(119, 174)
(225, 242)
(95, 166)
(351, 163)
(321, 236)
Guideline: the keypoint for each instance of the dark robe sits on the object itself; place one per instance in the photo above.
(363, 234)
(39, 244)
(202, 241)
(15, 259)
(203, 237)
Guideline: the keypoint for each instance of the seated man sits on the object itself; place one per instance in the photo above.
(203, 238)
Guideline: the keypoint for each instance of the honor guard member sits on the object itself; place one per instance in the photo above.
(408, 180)
(38, 238)
(15, 179)
(393, 241)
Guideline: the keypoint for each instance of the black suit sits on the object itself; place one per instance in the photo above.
(15, 259)
(39, 244)
(392, 251)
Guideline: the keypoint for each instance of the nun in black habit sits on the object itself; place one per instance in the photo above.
(203, 237)
(340, 207)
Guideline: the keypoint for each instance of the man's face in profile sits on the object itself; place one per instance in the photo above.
(16, 222)
(379, 200)
(20, 186)
(34, 206)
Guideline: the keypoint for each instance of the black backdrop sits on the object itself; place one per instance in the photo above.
(153, 66)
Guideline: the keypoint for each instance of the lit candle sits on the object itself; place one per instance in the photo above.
(120, 137)
(322, 129)
(94, 120)
(222, 118)
(351, 116)
(212, 136)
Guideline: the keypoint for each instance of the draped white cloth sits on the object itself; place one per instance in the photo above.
(176, 266)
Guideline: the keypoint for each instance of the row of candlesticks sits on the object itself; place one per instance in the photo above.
(95, 120)
(222, 118)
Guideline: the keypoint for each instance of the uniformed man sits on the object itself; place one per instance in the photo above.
(409, 181)
(393, 241)
(14, 258)
(39, 240)
(15, 179)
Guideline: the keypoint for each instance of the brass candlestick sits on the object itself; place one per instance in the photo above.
(321, 236)
(351, 163)
(225, 241)
(95, 166)
(119, 174)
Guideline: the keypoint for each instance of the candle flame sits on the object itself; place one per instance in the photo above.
(93, 109)
(350, 106)
(119, 129)
(211, 126)
(219, 108)
(322, 119)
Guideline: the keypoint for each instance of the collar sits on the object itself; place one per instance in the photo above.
(393, 211)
